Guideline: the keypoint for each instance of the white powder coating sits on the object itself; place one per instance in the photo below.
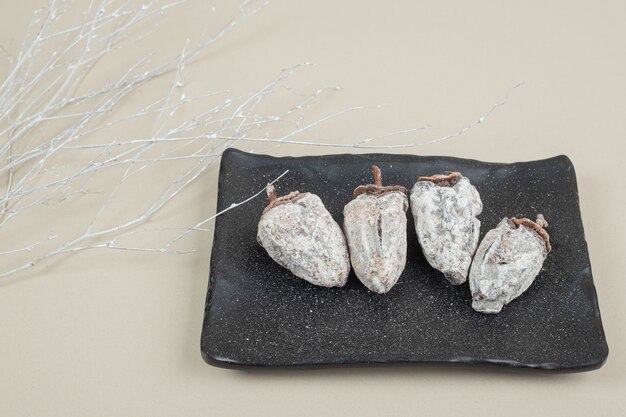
(375, 228)
(506, 263)
(446, 225)
(302, 236)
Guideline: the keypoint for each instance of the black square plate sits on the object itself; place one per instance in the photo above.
(258, 314)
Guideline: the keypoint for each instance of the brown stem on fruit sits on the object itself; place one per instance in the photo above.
(377, 187)
(541, 221)
(277, 201)
(271, 193)
(377, 175)
(537, 227)
(447, 179)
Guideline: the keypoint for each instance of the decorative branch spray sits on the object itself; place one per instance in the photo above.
(375, 228)
(507, 262)
(445, 208)
(299, 233)
(42, 170)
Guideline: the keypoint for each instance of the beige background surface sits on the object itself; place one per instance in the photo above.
(117, 334)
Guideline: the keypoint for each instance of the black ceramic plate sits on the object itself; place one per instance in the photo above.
(259, 314)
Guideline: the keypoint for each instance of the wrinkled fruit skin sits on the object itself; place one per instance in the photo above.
(303, 237)
(375, 228)
(506, 263)
(446, 225)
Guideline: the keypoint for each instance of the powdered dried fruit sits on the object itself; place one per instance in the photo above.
(507, 262)
(444, 208)
(375, 227)
(299, 233)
